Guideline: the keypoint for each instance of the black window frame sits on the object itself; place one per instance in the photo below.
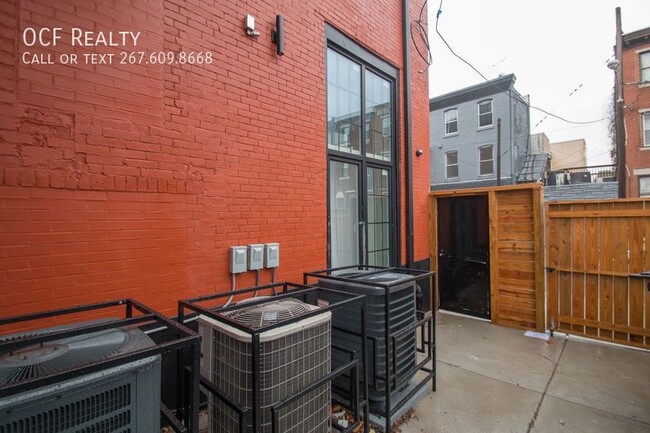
(348, 47)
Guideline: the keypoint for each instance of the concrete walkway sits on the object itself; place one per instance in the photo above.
(495, 379)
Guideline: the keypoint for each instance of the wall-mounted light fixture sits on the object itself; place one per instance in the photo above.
(249, 22)
(419, 153)
(277, 35)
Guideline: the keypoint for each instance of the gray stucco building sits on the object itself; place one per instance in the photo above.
(464, 135)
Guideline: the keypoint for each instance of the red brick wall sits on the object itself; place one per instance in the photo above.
(636, 97)
(133, 180)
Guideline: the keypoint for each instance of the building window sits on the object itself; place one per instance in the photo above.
(451, 121)
(362, 171)
(485, 113)
(486, 160)
(644, 186)
(646, 128)
(452, 164)
(644, 60)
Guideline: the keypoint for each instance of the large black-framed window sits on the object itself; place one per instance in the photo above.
(362, 155)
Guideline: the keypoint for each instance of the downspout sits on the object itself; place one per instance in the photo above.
(511, 139)
(408, 135)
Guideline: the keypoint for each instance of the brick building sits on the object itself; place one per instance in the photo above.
(140, 140)
(635, 70)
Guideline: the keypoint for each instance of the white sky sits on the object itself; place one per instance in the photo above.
(552, 46)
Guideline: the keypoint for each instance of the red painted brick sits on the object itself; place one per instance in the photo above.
(170, 165)
(636, 97)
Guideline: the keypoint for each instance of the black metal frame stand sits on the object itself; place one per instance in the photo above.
(424, 321)
(281, 290)
(185, 420)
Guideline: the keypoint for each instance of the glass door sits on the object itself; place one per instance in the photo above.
(345, 236)
(378, 217)
(360, 142)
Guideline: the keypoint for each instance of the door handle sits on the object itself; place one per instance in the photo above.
(362, 226)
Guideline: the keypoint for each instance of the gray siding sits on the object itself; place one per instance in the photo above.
(582, 191)
(514, 129)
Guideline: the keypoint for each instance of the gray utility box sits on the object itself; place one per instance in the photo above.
(390, 310)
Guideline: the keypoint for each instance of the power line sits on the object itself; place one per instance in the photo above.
(422, 31)
(548, 113)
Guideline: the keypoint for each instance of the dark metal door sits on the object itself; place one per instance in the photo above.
(463, 255)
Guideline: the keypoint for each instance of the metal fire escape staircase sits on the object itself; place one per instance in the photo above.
(534, 168)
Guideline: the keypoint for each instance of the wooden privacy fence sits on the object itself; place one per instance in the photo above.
(596, 252)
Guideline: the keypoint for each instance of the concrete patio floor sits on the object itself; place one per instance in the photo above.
(495, 379)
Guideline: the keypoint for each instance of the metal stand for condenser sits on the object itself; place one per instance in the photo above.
(186, 417)
(360, 407)
(396, 403)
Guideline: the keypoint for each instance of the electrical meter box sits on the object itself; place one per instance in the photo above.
(272, 255)
(237, 260)
(255, 257)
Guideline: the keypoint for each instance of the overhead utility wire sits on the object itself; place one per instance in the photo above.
(501, 90)
(422, 31)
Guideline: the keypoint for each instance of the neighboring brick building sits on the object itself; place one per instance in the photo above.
(635, 64)
(132, 180)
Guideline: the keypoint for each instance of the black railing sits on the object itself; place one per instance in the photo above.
(394, 399)
(576, 175)
(180, 339)
(213, 307)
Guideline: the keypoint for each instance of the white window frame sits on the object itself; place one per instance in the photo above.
(647, 193)
(645, 80)
(645, 128)
(491, 147)
(478, 113)
(449, 122)
(447, 165)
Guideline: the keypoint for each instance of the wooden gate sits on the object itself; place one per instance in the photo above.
(516, 229)
(596, 252)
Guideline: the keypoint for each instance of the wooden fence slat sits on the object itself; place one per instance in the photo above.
(620, 306)
(606, 305)
(578, 298)
(591, 302)
(636, 306)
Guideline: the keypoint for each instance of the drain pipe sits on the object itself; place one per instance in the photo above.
(408, 135)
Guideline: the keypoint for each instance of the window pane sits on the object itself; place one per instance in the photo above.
(644, 186)
(485, 152)
(379, 131)
(452, 165)
(644, 59)
(485, 113)
(343, 103)
(378, 221)
(485, 157)
(451, 121)
(646, 129)
(344, 213)
(486, 167)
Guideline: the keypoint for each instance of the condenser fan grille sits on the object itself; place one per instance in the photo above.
(60, 355)
(268, 313)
